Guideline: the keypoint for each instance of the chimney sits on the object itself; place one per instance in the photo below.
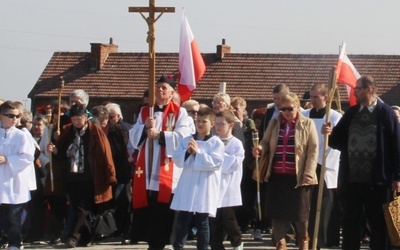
(99, 53)
(223, 49)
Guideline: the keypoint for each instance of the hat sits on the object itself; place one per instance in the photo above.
(77, 110)
(167, 79)
(306, 97)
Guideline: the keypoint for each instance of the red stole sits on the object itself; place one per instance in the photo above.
(139, 199)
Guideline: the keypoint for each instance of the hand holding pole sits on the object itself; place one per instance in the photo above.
(255, 145)
(332, 86)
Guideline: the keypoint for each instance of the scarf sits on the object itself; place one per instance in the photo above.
(75, 152)
(170, 115)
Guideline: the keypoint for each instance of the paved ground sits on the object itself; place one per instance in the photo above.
(114, 243)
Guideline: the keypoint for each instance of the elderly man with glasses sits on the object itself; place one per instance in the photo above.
(368, 137)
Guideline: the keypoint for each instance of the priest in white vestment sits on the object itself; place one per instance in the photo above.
(156, 138)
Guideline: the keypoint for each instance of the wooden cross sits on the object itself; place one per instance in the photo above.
(151, 37)
(151, 20)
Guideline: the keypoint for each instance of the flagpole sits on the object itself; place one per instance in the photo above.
(331, 93)
(340, 61)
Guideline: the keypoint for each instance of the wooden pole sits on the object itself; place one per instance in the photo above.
(255, 145)
(50, 129)
(151, 20)
(331, 93)
(59, 102)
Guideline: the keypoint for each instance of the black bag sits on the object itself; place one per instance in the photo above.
(103, 225)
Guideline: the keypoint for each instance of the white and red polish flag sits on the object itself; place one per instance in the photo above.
(347, 74)
(191, 63)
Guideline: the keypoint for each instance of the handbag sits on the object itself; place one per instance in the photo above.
(391, 211)
(103, 225)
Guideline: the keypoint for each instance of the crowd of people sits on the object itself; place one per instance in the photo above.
(189, 170)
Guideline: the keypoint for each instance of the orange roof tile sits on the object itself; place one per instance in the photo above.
(251, 76)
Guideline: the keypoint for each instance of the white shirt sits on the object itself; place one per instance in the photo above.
(333, 155)
(16, 173)
(232, 171)
(199, 185)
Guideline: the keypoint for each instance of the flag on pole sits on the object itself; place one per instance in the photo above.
(191, 63)
(347, 74)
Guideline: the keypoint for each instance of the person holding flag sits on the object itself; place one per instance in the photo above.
(319, 97)
(368, 136)
(156, 176)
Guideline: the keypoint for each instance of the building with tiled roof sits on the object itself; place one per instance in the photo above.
(109, 75)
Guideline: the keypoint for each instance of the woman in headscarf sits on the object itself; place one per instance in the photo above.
(86, 152)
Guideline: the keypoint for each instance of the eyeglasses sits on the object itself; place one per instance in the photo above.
(220, 123)
(359, 88)
(218, 103)
(193, 112)
(12, 116)
(283, 109)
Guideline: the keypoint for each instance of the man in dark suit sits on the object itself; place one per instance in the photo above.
(277, 92)
(368, 137)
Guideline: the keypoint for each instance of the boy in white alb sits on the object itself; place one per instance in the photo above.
(229, 192)
(16, 157)
(200, 155)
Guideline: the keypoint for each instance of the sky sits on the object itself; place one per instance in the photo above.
(31, 31)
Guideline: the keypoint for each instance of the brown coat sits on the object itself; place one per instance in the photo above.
(306, 148)
(99, 158)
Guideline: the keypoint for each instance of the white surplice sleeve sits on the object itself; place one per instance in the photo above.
(180, 153)
(184, 127)
(210, 155)
(19, 152)
(136, 133)
(234, 155)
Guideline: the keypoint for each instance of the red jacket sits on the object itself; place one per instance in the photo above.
(99, 158)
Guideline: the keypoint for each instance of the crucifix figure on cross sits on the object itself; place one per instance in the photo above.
(151, 20)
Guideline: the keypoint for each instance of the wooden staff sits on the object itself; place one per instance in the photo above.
(59, 102)
(49, 127)
(332, 89)
(255, 145)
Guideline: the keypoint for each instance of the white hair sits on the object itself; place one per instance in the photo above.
(114, 107)
(81, 94)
